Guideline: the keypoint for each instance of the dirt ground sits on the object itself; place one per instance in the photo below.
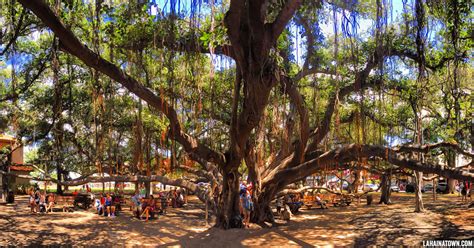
(362, 225)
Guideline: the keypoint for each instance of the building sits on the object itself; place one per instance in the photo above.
(17, 166)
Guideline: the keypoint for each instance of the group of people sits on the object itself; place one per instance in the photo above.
(40, 202)
(145, 207)
(246, 203)
(107, 205)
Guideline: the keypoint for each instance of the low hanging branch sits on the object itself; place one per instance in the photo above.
(200, 192)
(71, 44)
(337, 158)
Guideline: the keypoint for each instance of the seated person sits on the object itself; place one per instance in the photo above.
(118, 206)
(100, 204)
(32, 202)
(42, 202)
(149, 207)
(50, 202)
(109, 206)
(136, 200)
(164, 202)
(320, 202)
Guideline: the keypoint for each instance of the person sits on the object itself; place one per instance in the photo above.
(32, 202)
(109, 206)
(174, 198)
(164, 202)
(279, 203)
(136, 199)
(100, 204)
(320, 202)
(149, 207)
(75, 193)
(42, 202)
(179, 199)
(247, 206)
(118, 206)
(464, 192)
(50, 202)
(142, 191)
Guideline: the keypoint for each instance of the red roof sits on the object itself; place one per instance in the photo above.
(20, 168)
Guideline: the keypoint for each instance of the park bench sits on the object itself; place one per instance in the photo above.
(64, 202)
(342, 201)
(310, 200)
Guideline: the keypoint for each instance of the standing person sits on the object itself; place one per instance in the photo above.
(142, 191)
(279, 203)
(32, 202)
(464, 192)
(247, 204)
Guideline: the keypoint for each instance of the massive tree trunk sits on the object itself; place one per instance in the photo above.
(228, 212)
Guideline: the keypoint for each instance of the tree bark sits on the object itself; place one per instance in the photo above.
(386, 183)
(419, 207)
(228, 212)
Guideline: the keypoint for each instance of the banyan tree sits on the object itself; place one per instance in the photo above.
(254, 87)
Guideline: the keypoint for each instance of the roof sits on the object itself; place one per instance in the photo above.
(7, 138)
(21, 168)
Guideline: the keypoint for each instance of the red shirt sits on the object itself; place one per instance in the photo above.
(102, 200)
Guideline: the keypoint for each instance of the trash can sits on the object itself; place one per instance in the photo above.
(10, 197)
(370, 198)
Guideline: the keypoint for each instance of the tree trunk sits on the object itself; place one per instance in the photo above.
(59, 189)
(147, 189)
(228, 212)
(418, 194)
(385, 196)
(262, 211)
(451, 161)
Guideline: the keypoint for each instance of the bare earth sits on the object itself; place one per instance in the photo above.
(362, 225)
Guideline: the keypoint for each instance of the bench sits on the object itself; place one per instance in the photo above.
(64, 202)
(161, 204)
(310, 200)
(344, 200)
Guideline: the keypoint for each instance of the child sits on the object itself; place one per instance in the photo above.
(50, 202)
(32, 202)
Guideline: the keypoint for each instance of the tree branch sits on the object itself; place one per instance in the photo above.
(73, 46)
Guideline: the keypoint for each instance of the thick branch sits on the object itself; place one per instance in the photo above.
(334, 159)
(283, 18)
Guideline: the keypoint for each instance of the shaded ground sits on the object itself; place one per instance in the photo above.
(362, 225)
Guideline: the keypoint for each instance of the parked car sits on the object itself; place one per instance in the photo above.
(428, 188)
(411, 187)
(441, 187)
(370, 187)
(394, 188)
